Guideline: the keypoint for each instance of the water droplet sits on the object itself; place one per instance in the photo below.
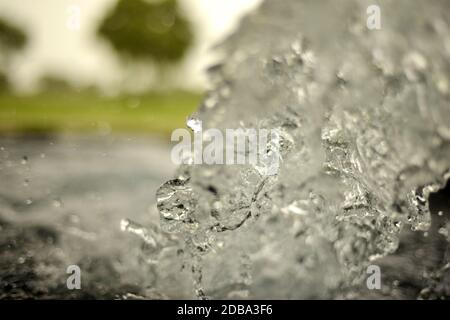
(127, 225)
(194, 124)
(414, 65)
(296, 46)
(24, 160)
(225, 91)
(74, 219)
(210, 101)
(442, 84)
(57, 203)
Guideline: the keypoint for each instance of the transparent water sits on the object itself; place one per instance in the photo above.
(365, 132)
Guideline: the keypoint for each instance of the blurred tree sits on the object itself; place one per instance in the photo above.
(12, 40)
(4, 83)
(147, 30)
(11, 37)
(55, 83)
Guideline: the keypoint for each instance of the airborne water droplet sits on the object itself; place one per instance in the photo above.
(57, 203)
(127, 225)
(194, 124)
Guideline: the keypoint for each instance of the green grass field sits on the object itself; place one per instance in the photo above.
(86, 112)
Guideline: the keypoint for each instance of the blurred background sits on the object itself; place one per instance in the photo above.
(89, 94)
(122, 62)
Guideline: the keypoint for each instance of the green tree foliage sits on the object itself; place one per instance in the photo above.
(52, 82)
(4, 83)
(11, 37)
(146, 29)
(12, 40)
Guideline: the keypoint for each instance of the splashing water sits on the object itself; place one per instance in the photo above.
(364, 122)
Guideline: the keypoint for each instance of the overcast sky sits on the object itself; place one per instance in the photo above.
(62, 47)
